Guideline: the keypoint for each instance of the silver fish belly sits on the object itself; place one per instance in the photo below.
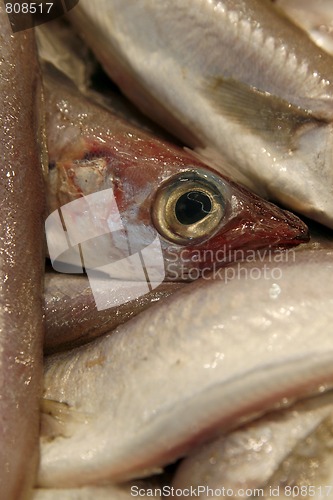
(172, 377)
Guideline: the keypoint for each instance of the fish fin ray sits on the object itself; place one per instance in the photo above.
(56, 419)
(262, 113)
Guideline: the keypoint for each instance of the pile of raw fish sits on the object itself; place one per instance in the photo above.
(211, 123)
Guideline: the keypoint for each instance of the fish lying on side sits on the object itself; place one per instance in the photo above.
(160, 191)
(288, 453)
(210, 357)
(232, 78)
(316, 18)
(22, 206)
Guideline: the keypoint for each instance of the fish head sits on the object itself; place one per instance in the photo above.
(199, 218)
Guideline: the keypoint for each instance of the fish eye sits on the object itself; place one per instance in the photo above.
(192, 207)
(189, 207)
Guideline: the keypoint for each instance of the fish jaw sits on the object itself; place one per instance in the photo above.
(253, 226)
(256, 223)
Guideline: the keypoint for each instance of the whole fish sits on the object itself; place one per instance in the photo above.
(160, 190)
(283, 454)
(210, 357)
(234, 79)
(316, 18)
(22, 209)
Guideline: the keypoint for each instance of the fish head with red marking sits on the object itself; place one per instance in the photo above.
(201, 219)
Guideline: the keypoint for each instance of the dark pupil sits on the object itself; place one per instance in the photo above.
(192, 207)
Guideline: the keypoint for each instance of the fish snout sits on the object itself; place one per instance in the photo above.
(260, 229)
(254, 223)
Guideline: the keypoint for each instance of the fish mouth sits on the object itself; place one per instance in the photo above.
(298, 231)
(290, 230)
(256, 229)
(256, 226)
(244, 240)
(266, 224)
(274, 233)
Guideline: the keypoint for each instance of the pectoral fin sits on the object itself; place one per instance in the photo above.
(56, 418)
(260, 112)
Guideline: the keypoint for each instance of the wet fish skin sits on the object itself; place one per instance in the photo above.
(133, 427)
(61, 47)
(282, 449)
(91, 150)
(65, 50)
(252, 30)
(71, 315)
(22, 205)
(214, 53)
(316, 18)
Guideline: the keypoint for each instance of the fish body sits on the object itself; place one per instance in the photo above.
(248, 90)
(72, 317)
(210, 357)
(22, 206)
(159, 189)
(316, 18)
(285, 452)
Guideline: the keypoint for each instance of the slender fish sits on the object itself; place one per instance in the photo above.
(207, 358)
(22, 209)
(234, 79)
